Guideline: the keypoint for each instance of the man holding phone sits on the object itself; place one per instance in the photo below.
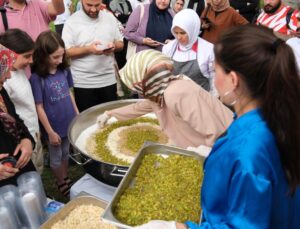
(91, 36)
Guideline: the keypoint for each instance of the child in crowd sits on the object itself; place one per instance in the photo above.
(51, 82)
(19, 90)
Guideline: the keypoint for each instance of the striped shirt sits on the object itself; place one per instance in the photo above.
(277, 21)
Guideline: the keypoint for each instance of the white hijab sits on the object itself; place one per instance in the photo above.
(189, 21)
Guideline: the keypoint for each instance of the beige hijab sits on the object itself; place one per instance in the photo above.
(151, 84)
(222, 5)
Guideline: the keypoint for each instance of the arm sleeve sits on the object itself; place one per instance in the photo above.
(293, 22)
(67, 35)
(211, 73)
(246, 190)
(133, 23)
(239, 19)
(201, 111)
(23, 130)
(118, 36)
(132, 111)
(36, 87)
(43, 5)
(69, 78)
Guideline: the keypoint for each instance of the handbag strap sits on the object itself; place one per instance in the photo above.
(4, 17)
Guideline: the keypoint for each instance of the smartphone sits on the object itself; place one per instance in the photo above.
(160, 43)
(103, 47)
(107, 49)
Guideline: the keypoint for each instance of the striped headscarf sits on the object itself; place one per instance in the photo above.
(151, 84)
(7, 59)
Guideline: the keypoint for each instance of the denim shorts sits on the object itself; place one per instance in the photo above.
(58, 153)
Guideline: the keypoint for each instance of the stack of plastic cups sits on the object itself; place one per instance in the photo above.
(33, 198)
(12, 214)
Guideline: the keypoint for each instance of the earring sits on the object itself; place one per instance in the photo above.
(227, 94)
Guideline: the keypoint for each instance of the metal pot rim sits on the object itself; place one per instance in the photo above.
(94, 108)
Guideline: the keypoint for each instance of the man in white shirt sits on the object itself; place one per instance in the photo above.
(91, 36)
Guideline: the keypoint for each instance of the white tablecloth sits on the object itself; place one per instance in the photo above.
(89, 184)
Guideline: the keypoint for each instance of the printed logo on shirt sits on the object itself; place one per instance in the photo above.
(59, 90)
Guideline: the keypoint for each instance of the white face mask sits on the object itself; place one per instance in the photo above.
(229, 98)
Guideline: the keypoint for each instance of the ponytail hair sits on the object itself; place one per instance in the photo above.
(268, 67)
(46, 44)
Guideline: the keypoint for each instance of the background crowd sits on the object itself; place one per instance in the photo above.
(49, 77)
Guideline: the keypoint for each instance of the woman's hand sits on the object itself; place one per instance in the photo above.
(148, 41)
(102, 120)
(154, 224)
(54, 138)
(110, 49)
(180, 226)
(97, 48)
(25, 148)
(5, 171)
(205, 25)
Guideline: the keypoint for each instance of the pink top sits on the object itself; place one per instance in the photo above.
(190, 115)
(33, 18)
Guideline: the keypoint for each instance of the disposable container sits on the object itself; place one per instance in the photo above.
(32, 182)
(11, 196)
(33, 198)
(8, 219)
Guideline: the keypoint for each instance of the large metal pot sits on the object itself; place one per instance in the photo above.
(108, 173)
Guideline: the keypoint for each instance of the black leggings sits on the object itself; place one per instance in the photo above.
(89, 97)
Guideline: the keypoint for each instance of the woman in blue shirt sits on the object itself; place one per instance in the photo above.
(252, 174)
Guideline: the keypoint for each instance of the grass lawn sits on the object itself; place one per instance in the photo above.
(75, 173)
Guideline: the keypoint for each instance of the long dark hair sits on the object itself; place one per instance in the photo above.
(46, 44)
(268, 67)
(17, 41)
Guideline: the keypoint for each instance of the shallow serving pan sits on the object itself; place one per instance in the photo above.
(128, 180)
(65, 211)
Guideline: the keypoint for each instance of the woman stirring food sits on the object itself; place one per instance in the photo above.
(187, 113)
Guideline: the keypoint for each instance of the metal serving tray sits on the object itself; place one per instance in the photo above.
(128, 180)
(65, 211)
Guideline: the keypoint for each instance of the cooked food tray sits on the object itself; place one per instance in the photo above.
(76, 202)
(129, 179)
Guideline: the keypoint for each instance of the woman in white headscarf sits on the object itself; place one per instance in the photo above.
(187, 113)
(192, 56)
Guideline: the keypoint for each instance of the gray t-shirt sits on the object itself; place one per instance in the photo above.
(91, 71)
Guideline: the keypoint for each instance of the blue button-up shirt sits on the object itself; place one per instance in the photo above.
(244, 183)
